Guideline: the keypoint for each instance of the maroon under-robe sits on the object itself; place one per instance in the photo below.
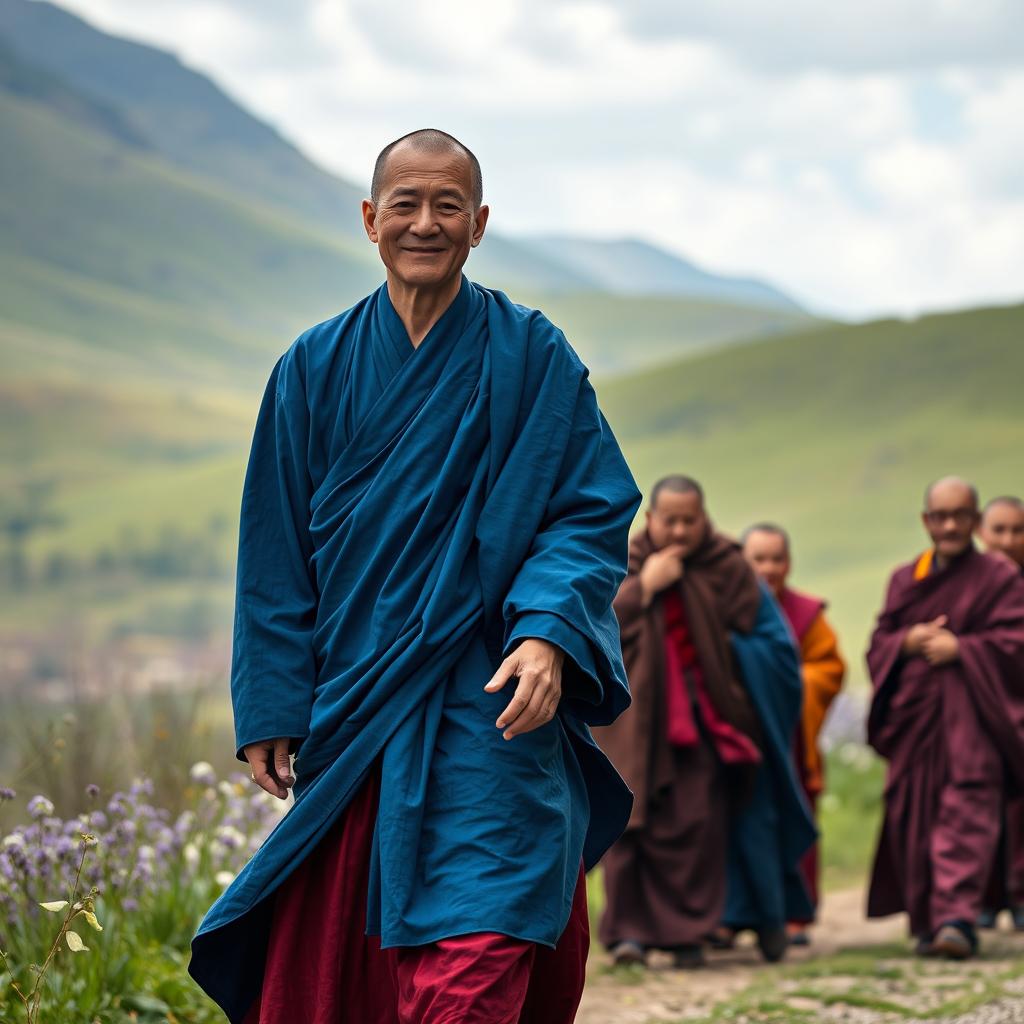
(322, 968)
(951, 734)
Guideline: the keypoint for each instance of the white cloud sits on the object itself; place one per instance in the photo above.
(783, 139)
(842, 35)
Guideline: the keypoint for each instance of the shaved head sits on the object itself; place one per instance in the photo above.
(676, 484)
(1003, 501)
(1002, 527)
(433, 141)
(951, 488)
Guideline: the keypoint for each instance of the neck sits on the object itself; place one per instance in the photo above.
(419, 308)
(942, 561)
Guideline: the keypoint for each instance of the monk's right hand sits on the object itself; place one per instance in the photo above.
(913, 642)
(270, 766)
(661, 570)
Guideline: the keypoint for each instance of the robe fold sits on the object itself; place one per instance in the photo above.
(950, 733)
(772, 831)
(409, 515)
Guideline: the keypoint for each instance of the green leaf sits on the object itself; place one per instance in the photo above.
(75, 943)
(55, 907)
(144, 1004)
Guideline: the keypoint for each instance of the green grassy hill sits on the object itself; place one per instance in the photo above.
(835, 433)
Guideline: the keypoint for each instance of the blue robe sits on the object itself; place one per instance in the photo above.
(409, 515)
(770, 834)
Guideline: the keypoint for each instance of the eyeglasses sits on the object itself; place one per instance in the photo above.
(960, 516)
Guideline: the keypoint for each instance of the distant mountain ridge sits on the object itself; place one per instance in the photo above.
(629, 266)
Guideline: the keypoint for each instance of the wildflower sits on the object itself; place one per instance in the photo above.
(40, 807)
(223, 878)
(191, 855)
(203, 773)
(6, 793)
(92, 791)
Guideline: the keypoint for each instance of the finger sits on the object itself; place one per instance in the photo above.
(282, 763)
(518, 704)
(939, 622)
(266, 781)
(533, 716)
(506, 670)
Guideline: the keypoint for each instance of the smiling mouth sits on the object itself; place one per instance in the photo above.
(424, 250)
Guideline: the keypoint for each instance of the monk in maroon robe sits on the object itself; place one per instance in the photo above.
(688, 744)
(1002, 531)
(947, 664)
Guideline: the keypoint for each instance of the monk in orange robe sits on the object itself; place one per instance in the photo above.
(767, 548)
(1002, 532)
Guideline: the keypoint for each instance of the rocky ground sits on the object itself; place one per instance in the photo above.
(857, 972)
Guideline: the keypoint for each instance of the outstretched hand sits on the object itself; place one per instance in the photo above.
(270, 766)
(538, 666)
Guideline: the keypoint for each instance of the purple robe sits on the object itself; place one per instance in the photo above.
(951, 735)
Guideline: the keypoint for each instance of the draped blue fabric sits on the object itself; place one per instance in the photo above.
(408, 516)
(771, 833)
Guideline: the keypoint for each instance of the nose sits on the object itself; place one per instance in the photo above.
(424, 222)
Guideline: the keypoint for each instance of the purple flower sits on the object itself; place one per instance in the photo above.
(92, 791)
(6, 793)
(40, 807)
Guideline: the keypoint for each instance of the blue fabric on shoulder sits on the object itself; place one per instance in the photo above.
(770, 834)
(410, 514)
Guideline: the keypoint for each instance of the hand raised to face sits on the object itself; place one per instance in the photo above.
(661, 570)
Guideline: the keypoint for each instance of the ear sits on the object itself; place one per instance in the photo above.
(479, 223)
(370, 220)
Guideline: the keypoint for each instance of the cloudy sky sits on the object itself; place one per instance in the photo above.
(866, 155)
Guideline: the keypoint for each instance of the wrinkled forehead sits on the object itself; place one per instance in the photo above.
(414, 167)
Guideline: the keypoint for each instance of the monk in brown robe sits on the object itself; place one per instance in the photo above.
(689, 741)
(947, 664)
(1002, 531)
(766, 547)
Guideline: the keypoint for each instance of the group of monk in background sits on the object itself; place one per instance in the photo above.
(732, 673)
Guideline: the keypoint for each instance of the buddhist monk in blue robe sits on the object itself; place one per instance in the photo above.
(434, 525)
(947, 664)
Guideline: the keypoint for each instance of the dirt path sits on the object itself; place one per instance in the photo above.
(858, 972)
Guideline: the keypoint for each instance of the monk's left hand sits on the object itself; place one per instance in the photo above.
(538, 666)
(941, 647)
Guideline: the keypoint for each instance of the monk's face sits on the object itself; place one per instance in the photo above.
(424, 223)
(677, 519)
(951, 518)
(1002, 529)
(768, 555)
